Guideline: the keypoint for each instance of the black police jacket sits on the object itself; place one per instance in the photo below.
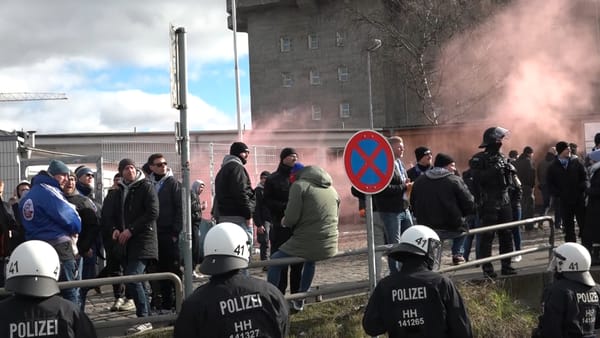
(570, 309)
(416, 302)
(233, 305)
(54, 316)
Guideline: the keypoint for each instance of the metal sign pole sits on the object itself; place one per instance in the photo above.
(370, 243)
(184, 141)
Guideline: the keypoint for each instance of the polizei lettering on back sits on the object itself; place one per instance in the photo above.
(240, 303)
(399, 295)
(587, 297)
(37, 328)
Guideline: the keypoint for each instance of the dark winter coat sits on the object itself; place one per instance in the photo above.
(525, 170)
(60, 317)
(233, 190)
(568, 184)
(262, 213)
(440, 199)
(592, 211)
(205, 314)
(8, 225)
(90, 223)
(277, 190)
(416, 171)
(170, 217)
(391, 199)
(312, 214)
(570, 309)
(138, 213)
(435, 307)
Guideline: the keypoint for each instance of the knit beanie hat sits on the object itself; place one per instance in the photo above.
(561, 146)
(421, 151)
(294, 172)
(125, 162)
(285, 152)
(57, 167)
(442, 160)
(237, 148)
(83, 171)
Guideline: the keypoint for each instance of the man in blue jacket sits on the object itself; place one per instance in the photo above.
(49, 217)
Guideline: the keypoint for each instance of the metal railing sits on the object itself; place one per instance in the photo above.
(322, 290)
(317, 291)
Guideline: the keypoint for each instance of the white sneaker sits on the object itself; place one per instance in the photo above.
(139, 328)
(516, 259)
(128, 305)
(117, 304)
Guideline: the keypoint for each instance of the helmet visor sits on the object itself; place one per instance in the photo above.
(434, 253)
(501, 133)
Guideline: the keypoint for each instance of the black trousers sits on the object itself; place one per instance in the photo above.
(492, 216)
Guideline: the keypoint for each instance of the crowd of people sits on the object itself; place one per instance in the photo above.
(294, 212)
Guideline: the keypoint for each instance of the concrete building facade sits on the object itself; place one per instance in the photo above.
(308, 66)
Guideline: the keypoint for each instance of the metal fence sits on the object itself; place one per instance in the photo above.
(352, 287)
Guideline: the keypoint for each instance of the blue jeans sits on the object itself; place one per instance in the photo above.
(472, 222)
(137, 290)
(394, 224)
(87, 270)
(69, 272)
(274, 273)
(516, 231)
(458, 240)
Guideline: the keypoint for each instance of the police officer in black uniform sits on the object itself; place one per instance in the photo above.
(231, 304)
(417, 302)
(570, 305)
(492, 177)
(36, 309)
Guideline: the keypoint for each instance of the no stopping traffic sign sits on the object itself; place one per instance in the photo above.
(369, 161)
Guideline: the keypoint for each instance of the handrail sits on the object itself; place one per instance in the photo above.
(317, 291)
(93, 282)
(389, 247)
(130, 279)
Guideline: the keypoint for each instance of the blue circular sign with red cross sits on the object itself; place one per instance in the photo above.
(369, 161)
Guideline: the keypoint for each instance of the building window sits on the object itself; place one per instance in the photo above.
(343, 73)
(316, 112)
(287, 114)
(315, 77)
(340, 39)
(313, 41)
(344, 110)
(285, 44)
(286, 79)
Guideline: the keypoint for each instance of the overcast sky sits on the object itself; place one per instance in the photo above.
(111, 58)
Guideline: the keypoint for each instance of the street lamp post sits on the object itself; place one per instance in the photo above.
(375, 45)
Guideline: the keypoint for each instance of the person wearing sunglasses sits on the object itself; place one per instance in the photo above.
(168, 226)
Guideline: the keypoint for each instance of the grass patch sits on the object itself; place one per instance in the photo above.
(493, 313)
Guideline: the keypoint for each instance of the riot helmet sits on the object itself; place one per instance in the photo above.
(226, 248)
(573, 261)
(493, 135)
(420, 240)
(33, 269)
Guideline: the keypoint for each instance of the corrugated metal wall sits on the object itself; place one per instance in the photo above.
(9, 164)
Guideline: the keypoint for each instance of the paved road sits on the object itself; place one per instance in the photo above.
(343, 269)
